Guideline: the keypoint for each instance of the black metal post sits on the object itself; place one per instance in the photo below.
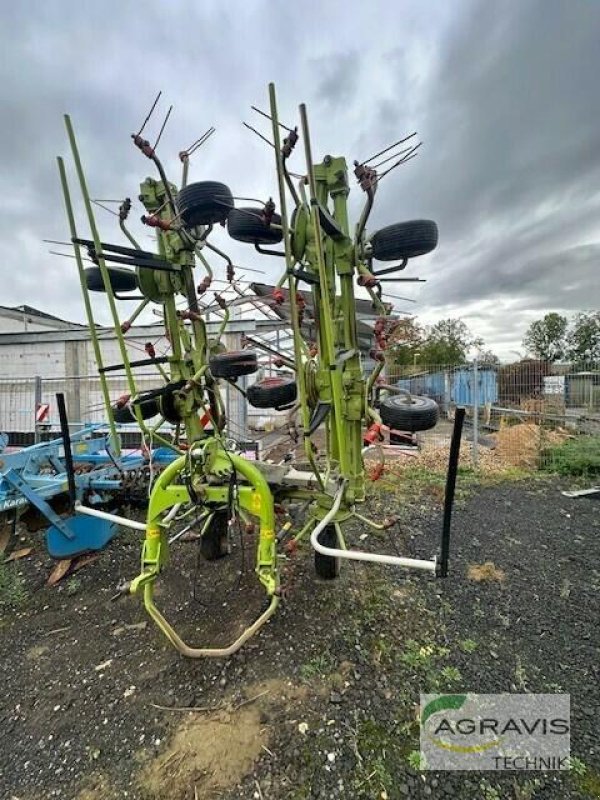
(66, 437)
(450, 488)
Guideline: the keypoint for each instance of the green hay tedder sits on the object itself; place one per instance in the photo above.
(208, 481)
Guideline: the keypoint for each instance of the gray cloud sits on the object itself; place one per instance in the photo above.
(503, 95)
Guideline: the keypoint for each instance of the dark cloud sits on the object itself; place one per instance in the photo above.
(503, 94)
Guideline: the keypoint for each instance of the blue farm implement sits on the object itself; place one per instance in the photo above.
(34, 482)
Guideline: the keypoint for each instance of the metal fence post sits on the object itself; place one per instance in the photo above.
(475, 449)
(37, 400)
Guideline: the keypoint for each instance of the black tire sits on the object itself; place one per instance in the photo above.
(327, 567)
(121, 280)
(204, 203)
(233, 364)
(416, 414)
(272, 393)
(149, 409)
(404, 240)
(213, 544)
(248, 225)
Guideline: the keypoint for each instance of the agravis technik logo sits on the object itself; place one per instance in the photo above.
(495, 731)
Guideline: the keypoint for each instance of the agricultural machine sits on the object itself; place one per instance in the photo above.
(207, 481)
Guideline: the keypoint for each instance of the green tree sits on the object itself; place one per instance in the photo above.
(447, 342)
(405, 342)
(488, 357)
(583, 340)
(546, 338)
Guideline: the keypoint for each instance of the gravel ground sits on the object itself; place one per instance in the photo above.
(321, 704)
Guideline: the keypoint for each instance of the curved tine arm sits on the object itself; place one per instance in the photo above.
(356, 555)
(365, 214)
(128, 235)
(290, 183)
(392, 390)
(219, 252)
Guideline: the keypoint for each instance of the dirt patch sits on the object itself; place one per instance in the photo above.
(214, 751)
(486, 573)
(206, 754)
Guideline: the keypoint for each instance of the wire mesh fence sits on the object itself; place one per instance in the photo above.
(530, 414)
(28, 410)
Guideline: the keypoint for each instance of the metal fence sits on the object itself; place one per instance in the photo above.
(28, 410)
(520, 414)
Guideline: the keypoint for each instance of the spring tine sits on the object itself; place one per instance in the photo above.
(264, 114)
(199, 142)
(69, 255)
(149, 113)
(264, 138)
(55, 241)
(250, 199)
(403, 160)
(389, 158)
(398, 297)
(164, 125)
(387, 149)
(106, 208)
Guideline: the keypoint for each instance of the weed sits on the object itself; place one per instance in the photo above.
(579, 456)
(416, 760)
(72, 586)
(12, 589)
(377, 749)
(555, 688)
(521, 678)
(451, 675)
(468, 645)
(317, 667)
(527, 789)
(577, 766)
(489, 792)
(416, 655)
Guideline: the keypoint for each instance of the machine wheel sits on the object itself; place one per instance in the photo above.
(204, 203)
(213, 544)
(272, 393)
(298, 223)
(121, 280)
(149, 409)
(327, 567)
(233, 364)
(416, 414)
(247, 225)
(405, 240)
(167, 402)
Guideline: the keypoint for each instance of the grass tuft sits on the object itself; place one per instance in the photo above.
(12, 589)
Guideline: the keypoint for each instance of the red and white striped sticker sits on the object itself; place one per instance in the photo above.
(42, 410)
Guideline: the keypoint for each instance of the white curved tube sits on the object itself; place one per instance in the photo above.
(356, 555)
(94, 512)
(171, 513)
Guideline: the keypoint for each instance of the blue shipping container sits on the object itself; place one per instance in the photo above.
(455, 386)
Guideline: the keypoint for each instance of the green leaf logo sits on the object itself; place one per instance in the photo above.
(442, 703)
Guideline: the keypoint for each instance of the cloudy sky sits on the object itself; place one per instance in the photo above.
(504, 95)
